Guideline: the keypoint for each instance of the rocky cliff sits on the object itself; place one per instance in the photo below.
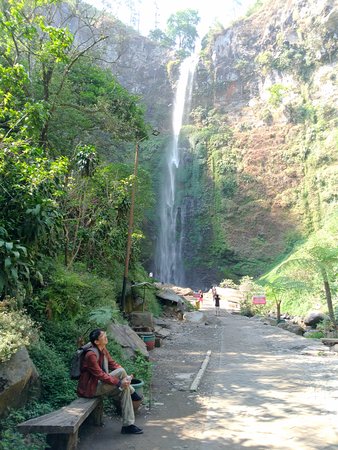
(262, 141)
(259, 151)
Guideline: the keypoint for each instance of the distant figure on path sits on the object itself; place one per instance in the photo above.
(217, 299)
(214, 292)
(200, 298)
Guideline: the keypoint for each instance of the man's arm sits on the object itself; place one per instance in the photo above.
(94, 368)
(112, 365)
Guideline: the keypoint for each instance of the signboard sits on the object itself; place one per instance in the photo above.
(259, 299)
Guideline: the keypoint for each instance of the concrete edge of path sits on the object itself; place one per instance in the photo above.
(197, 380)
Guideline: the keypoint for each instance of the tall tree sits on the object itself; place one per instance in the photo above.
(44, 80)
(322, 261)
(182, 29)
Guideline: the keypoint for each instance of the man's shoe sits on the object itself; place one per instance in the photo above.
(131, 429)
(135, 397)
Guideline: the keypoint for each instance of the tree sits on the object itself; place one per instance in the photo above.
(181, 28)
(322, 261)
(159, 36)
(276, 288)
(52, 97)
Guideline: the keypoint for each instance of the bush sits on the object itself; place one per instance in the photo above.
(12, 440)
(70, 292)
(16, 330)
(228, 283)
(57, 389)
(315, 335)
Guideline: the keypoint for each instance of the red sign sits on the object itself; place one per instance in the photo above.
(259, 299)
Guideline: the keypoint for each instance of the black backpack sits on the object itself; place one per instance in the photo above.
(75, 365)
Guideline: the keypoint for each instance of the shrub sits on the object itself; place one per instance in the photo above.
(16, 330)
(70, 291)
(11, 439)
(57, 388)
(277, 92)
(228, 283)
(315, 335)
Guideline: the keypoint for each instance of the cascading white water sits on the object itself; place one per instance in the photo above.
(169, 261)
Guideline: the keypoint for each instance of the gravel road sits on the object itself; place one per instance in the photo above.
(264, 389)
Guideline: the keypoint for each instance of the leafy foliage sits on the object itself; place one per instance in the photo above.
(181, 28)
(57, 388)
(16, 329)
(12, 439)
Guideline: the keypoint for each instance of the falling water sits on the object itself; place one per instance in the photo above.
(169, 259)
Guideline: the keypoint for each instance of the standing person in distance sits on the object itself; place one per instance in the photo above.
(200, 296)
(217, 299)
(213, 292)
(103, 376)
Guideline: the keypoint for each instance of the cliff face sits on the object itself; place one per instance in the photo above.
(139, 64)
(259, 154)
(263, 138)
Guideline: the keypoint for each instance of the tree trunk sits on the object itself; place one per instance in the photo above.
(278, 310)
(328, 297)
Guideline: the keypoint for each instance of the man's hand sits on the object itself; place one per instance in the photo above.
(125, 382)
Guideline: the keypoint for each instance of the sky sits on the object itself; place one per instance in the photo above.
(153, 14)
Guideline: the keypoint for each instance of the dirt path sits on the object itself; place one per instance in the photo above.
(264, 389)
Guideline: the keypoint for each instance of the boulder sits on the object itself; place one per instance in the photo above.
(128, 339)
(314, 317)
(142, 320)
(291, 327)
(167, 295)
(182, 291)
(18, 381)
(162, 332)
(331, 20)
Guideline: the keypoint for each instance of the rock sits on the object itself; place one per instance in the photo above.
(182, 291)
(167, 295)
(19, 381)
(141, 319)
(314, 317)
(161, 322)
(293, 328)
(128, 339)
(196, 316)
(162, 332)
(268, 321)
(331, 20)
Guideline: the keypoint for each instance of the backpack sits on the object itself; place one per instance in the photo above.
(75, 365)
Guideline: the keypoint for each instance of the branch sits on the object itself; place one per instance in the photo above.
(70, 65)
(80, 108)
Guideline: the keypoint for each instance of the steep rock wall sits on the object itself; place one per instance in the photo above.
(264, 123)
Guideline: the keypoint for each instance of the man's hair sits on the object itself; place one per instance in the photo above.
(94, 335)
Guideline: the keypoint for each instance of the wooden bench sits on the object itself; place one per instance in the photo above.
(329, 341)
(62, 426)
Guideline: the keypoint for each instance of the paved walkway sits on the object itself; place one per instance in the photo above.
(264, 389)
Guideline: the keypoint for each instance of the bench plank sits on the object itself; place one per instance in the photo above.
(66, 420)
(329, 340)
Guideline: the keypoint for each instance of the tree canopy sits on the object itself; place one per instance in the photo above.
(55, 101)
(182, 29)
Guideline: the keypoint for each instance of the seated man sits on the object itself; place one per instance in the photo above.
(101, 375)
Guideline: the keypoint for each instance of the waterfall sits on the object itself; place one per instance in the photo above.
(169, 259)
